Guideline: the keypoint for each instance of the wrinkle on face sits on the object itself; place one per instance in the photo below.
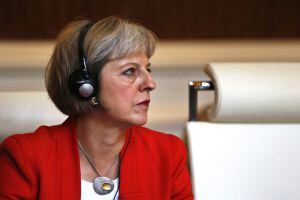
(121, 90)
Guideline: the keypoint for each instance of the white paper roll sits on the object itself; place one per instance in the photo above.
(255, 92)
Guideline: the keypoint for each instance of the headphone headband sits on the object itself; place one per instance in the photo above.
(81, 83)
(81, 53)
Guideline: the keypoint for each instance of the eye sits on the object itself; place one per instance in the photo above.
(129, 72)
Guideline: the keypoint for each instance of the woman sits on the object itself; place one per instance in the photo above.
(99, 75)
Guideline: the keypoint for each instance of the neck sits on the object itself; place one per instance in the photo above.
(102, 142)
(99, 137)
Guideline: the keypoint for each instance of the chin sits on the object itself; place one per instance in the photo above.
(140, 121)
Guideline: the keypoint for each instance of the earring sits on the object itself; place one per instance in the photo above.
(94, 101)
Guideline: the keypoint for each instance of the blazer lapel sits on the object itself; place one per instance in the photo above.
(129, 184)
(70, 164)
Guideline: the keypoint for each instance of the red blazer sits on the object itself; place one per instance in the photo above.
(45, 165)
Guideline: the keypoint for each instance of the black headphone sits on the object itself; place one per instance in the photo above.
(81, 82)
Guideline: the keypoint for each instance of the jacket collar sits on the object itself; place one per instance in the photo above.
(70, 165)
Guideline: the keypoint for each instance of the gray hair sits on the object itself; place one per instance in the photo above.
(109, 39)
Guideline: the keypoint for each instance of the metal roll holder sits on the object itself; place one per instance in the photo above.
(194, 87)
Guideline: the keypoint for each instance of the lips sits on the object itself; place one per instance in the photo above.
(146, 103)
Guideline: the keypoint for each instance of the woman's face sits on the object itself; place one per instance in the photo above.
(125, 86)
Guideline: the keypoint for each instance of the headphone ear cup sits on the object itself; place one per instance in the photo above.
(82, 85)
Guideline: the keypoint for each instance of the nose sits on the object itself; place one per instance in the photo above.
(148, 82)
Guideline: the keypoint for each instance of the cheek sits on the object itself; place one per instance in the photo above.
(126, 95)
(115, 93)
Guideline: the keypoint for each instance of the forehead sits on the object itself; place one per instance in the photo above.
(138, 59)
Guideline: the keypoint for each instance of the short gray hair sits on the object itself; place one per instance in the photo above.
(109, 39)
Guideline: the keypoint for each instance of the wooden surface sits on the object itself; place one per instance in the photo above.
(169, 19)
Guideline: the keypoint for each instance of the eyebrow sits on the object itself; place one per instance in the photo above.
(135, 64)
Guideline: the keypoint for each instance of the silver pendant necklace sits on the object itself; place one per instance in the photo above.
(102, 184)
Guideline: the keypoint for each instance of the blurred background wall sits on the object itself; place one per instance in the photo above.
(169, 19)
(192, 33)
